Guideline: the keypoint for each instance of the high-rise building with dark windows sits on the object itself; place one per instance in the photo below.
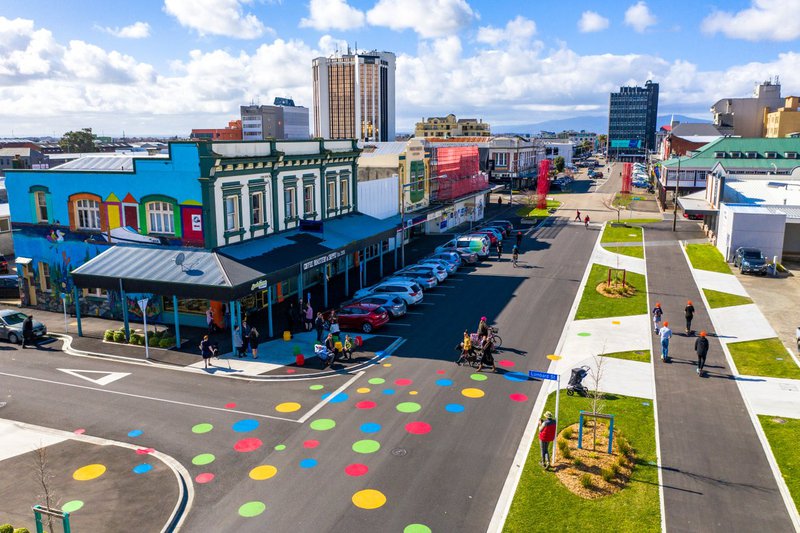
(354, 96)
(632, 116)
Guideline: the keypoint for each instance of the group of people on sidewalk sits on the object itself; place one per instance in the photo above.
(665, 333)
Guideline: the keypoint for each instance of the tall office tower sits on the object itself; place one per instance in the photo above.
(632, 116)
(354, 96)
(283, 120)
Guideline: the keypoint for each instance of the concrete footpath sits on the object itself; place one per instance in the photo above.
(716, 476)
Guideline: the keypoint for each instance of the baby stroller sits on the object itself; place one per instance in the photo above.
(575, 380)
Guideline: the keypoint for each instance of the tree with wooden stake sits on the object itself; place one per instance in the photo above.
(595, 395)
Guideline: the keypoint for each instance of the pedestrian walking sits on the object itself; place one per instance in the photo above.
(245, 337)
(319, 325)
(701, 347)
(334, 329)
(238, 343)
(657, 314)
(205, 351)
(290, 314)
(689, 313)
(309, 318)
(586, 222)
(27, 331)
(252, 338)
(499, 250)
(210, 320)
(519, 239)
(547, 434)
(666, 334)
(514, 255)
(578, 216)
(487, 358)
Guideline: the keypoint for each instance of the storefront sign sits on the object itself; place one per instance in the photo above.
(259, 285)
(323, 259)
(197, 222)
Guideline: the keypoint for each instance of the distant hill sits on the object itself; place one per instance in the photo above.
(597, 124)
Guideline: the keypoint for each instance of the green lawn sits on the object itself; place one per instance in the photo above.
(724, 299)
(542, 503)
(622, 200)
(632, 251)
(641, 220)
(595, 305)
(707, 257)
(621, 234)
(765, 357)
(531, 211)
(783, 435)
(643, 356)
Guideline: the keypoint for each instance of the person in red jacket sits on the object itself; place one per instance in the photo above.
(547, 434)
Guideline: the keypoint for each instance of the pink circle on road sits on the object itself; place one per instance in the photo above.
(205, 477)
(366, 404)
(518, 397)
(311, 444)
(79, 431)
(291, 371)
(247, 445)
(356, 469)
(403, 382)
(440, 371)
(230, 405)
(418, 428)
(506, 363)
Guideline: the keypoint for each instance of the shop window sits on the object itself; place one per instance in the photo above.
(44, 277)
(231, 213)
(95, 293)
(290, 202)
(88, 214)
(344, 193)
(40, 206)
(194, 306)
(501, 159)
(5, 225)
(331, 195)
(308, 200)
(161, 217)
(257, 208)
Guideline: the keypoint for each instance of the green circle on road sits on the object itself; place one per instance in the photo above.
(316, 387)
(72, 506)
(479, 377)
(203, 459)
(251, 509)
(323, 424)
(202, 428)
(408, 407)
(366, 446)
(376, 381)
(584, 334)
(280, 447)
(417, 528)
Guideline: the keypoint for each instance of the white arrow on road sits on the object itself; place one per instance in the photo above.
(107, 377)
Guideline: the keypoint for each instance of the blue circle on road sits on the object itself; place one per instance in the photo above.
(444, 382)
(142, 468)
(308, 463)
(135, 433)
(388, 391)
(370, 427)
(243, 426)
(516, 376)
(338, 398)
(454, 408)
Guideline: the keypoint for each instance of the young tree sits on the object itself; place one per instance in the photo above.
(559, 163)
(595, 394)
(78, 141)
(602, 139)
(43, 477)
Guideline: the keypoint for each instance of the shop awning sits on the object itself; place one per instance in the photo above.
(696, 204)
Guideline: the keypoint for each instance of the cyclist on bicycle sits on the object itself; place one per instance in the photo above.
(483, 328)
(514, 255)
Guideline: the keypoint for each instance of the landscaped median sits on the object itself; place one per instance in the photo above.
(765, 357)
(717, 299)
(641, 356)
(707, 257)
(627, 497)
(622, 233)
(530, 211)
(783, 434)
(615, 299)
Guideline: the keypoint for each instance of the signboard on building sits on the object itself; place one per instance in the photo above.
(626, 143)
(323, 259)
(197, 222)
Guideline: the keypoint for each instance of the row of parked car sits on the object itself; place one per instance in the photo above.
(374, 306)
(640, 177)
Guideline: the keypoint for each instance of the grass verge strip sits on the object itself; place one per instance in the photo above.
(621, 234)
(718, 299)
(783, 435)
(765, 357)
(529, 211)
(642, 356)
(707, 257)
(630, 251)
(595, 305)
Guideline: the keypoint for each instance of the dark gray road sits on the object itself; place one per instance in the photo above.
(715, 474)
(445, 471)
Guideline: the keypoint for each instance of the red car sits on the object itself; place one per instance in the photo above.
(362, 317)
(488, 234)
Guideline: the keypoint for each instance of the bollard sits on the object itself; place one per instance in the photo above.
(287, 335)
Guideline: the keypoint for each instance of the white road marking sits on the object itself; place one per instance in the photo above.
(108, 377)
(322, 404)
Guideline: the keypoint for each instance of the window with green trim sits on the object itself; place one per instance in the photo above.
(257, 208)
(232, 212)
(290, 202)
(40, 201)
(161, 217)
(308, 199)
(344, 193)
(331, 194)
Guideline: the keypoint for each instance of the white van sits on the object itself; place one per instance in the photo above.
(467, 244)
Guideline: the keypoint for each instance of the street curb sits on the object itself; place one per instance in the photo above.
(185, 485)
(379, 356)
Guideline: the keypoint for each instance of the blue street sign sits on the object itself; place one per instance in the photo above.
(542, 375)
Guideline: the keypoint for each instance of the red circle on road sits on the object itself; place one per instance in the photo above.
(403, 382)
(230, 405)
(205, 477)
(356, 469)
(247, 445)
(518, 397)
(440, 371)
(311, 444)
(366, 404)
(291, 371)
(418, 428)
(506, 363)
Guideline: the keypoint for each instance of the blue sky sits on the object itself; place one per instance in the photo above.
(168, 65)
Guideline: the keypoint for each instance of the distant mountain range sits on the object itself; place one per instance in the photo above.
(597, 124)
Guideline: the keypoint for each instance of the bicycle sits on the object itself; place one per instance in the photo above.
(497, 341)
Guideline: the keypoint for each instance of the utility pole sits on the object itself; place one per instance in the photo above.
(675, 199)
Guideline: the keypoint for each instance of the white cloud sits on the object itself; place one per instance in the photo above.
(216, 17)
(329, 45)
(764, 20)
(518, 30)
(429, 18)
(591, 21)
(137, 30)
(639, 17)
(332, 15)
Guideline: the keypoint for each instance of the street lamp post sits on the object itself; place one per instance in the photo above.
(675, 199)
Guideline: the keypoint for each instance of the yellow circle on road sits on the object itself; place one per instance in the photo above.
(85, 473)
(362, 390)
(287, 407)
(554, 357)
(369, 499)
(473, 393)
(260, 473)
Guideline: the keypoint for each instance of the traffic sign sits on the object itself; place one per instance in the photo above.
(542, 375)
(143, 304)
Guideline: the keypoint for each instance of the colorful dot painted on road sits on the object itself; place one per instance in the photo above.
(454, 408)
(584, 334)
(356, 469)
(88, 472)
(247, 445)
(205, 477)
(230, 405)
(291, 371)
(387, 365)
(416, 528)
(316, 387)
(518, 397)
(308, 463)
(287, 407)
(366, 446)
(280, 447)
(79, 431)
(472, 393)
(403, 382)
(440, 371)
(311, 444)
(515, 376)
(202, 428)
(322, 424)
(418, 428)
(203, 459)
(142, 468)
(376, 381)
(244, 426)
(366, 404)
(144, 451)
(408, 407)
(251, 509)
(370, 427)
(363, 390)
(444, 382)
(615, 322)
(388, 392)
(135, 433)
(72, 506)
(369, 499)
(337, 398)
(262, 472)
(505, 363)
(478, 377)
(413, 392)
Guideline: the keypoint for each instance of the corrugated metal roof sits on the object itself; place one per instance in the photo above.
(106, 162)
(11, 152)
(381, 148)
